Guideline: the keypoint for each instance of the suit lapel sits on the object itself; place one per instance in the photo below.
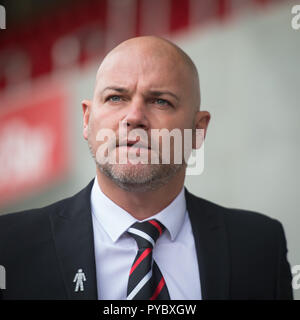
(212, 247)
(73, 237)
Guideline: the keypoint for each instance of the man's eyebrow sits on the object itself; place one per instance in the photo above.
(160, 93)
(118, 89)
(155, 93)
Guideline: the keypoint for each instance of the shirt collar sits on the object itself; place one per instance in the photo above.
(116, 220)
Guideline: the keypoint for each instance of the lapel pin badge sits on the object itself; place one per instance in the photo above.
(79, 278)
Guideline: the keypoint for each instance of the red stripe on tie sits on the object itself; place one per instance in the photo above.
(156, 225)
(158, 288)
(140, 259)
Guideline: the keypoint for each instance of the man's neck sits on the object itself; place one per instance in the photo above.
(142, 205)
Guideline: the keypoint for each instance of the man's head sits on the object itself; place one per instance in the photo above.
(144, 83)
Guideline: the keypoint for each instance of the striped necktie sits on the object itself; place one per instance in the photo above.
(145, 279)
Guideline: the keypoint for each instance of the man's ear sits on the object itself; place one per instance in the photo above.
(86, 108)
(202, 119)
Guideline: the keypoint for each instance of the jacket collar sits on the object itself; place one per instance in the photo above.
(73, 237)
(211, 242)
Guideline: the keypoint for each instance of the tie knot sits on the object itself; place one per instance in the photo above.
(146, 233)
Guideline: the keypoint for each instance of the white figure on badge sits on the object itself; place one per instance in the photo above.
(79, 278)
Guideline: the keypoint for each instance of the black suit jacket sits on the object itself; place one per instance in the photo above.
(241, 254)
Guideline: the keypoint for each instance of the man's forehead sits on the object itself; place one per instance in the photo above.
(145, 69)
(139, 61)
(151, 62)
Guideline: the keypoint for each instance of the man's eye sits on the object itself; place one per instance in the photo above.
(114, 98)
(162, 102)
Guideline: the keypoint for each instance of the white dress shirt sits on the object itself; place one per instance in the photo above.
(115, 250)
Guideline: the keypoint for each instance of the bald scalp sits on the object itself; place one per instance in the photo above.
(153, 45)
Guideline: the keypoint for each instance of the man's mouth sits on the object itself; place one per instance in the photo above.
(134, 144)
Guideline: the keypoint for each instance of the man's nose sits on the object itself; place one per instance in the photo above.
(136, 115)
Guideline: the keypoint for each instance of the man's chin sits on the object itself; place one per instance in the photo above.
(134, 172)
(139, 177)
(131, 177)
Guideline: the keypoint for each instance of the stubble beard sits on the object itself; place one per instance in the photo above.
(137, 177)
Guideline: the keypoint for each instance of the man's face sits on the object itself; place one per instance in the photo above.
(140, 88)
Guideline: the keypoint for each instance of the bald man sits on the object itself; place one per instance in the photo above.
(135, 232)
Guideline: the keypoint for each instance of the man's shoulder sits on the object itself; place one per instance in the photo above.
(29, 220)
(234, 218)
(36, 215)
